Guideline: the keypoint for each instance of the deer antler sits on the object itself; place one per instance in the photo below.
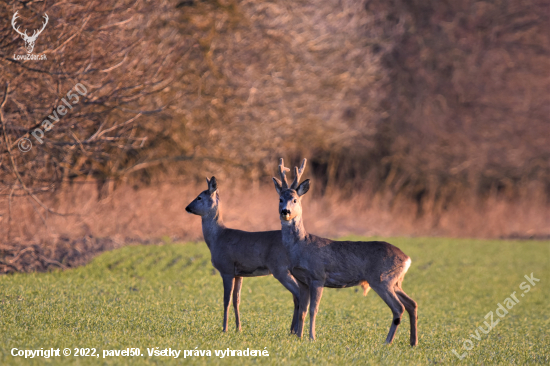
(17, 29)
(282, 171)
(36, 33)
(298, 174)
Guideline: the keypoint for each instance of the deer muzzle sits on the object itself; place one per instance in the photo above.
(285, 214)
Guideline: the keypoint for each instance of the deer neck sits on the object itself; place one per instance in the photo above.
(212, 227)
(293, 231)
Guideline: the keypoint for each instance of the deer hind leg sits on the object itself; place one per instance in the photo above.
(390, 298)
(237, 300)
(227, 289)
(411, 307)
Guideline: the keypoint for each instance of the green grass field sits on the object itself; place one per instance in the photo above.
(169, 296)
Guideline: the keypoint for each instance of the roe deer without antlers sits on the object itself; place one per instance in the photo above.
(319, 262)
(237, 254)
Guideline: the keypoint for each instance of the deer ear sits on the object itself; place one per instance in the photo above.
(303, 188)
(212, 185)
(278, 186)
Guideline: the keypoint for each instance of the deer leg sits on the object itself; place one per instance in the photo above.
(237, 300)
(304, 303)
(316, 291)
(390, 298)
(294, 324)
(227, 289)
(411, 307)
(291, 285)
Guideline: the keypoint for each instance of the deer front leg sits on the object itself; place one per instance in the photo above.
(237, 300)
(302, 311)
(316, 292)
(227, 289)
(294, 324)
(290, 283)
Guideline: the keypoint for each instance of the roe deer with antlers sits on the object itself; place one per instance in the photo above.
(237, 254)
(318, 262)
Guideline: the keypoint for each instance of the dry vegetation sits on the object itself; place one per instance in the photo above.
(418, 118)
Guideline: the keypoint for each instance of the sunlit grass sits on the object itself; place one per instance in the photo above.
(170, 297)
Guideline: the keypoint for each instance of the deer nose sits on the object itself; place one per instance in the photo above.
(188, 209)
(285, 212)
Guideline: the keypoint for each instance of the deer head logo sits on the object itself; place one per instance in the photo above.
(29, 40)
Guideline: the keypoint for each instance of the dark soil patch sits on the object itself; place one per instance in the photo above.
(63, 253)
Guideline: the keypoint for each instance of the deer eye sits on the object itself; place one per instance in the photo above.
(198, 198)
(294, 201)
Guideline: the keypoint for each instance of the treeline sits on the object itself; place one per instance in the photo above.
(426, 100)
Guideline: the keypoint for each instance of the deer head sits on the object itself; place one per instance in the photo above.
(29, 40)
(207, 202)
(290, 205)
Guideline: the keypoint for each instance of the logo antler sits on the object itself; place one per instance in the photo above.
(17, 29)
